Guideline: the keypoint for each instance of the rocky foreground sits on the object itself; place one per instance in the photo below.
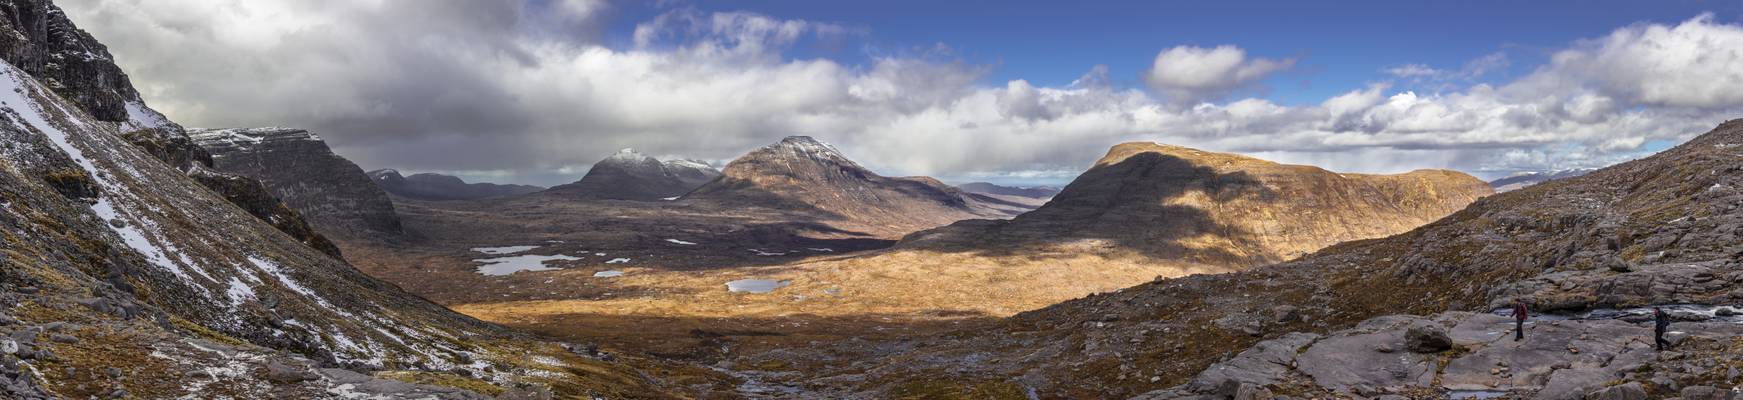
(1469, 355)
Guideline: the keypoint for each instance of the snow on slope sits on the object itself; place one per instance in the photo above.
(204, 259)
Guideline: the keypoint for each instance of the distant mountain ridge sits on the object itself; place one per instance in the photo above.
(803, 174)
(1218, 209)
(631, 175)
(1034, 192)
(1525, 179)
(431, 186)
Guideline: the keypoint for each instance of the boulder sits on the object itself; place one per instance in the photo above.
(1703, 393)
(1628, 391)
(1427, 338)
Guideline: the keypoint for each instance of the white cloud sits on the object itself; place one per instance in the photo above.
(1692, 64)
(470, 86)
(1189, 74)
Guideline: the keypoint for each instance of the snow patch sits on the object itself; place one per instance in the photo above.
(508, 265)
(608, 274)
(680, 242)
(618, 261)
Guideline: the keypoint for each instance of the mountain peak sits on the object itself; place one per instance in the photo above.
(631, 175)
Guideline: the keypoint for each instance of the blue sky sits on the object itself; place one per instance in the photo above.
(535, 91)
(1341, 45)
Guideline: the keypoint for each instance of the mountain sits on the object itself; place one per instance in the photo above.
(1226, 210)
(1034, 192)
(124, 277)
(439, 187)
(1411, 314)
(629, 175)
(1521, 180)
(807, 176)
(298, 167)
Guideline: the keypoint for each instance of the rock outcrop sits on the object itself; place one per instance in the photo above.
(629, 175)
(807, 176)
(438, 187)
(1225, 210)
(298, 167)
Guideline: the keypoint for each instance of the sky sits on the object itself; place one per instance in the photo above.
(1012, 92)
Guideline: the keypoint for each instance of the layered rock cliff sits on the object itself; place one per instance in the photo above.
(298, 167)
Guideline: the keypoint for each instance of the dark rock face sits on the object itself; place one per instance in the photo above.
(629, 175)
(804, 175)
(254, 198)
(72, 63)
(442, 187)
(1037, 192)
(297, 167)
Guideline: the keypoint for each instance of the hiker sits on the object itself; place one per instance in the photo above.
(1520, 313)
(1660, 323)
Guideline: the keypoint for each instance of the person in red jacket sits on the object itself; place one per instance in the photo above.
(1520, 313)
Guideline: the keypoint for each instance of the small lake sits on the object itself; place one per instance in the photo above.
(608, 274)
(755, 285)
(508, 265)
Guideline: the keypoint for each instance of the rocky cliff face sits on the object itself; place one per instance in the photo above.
(100, 233)
(629, 175)
(440, 187)
(1176, 203)
(43, 43)
(1657, 231)
(296, 166)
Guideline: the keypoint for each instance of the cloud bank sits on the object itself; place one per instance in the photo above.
(530, 92)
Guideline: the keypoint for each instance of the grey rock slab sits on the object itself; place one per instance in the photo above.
(1572, 384)
(1348, 363)
(1264, 364)
(1547, 347)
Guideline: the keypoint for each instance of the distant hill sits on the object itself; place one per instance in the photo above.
(428, 186)
(630, 175)
(1524, 179)
(805, 175)
(1034, 192)
(1220, 209)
